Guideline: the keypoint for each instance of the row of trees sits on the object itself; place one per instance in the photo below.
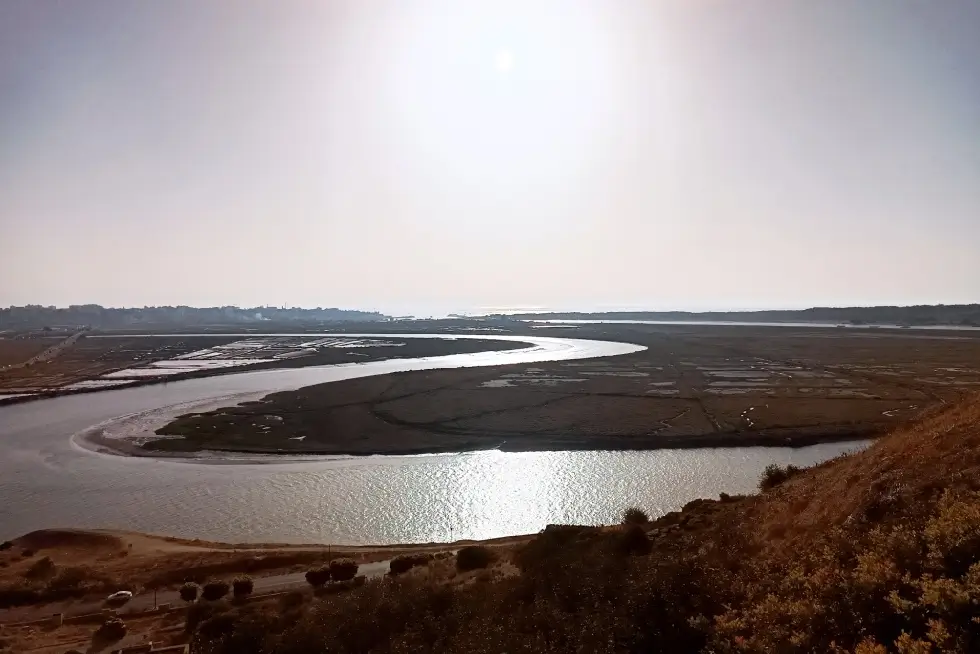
(35, 316)
(217, 589)
(242, 586)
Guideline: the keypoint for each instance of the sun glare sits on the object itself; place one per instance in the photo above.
(504, 61)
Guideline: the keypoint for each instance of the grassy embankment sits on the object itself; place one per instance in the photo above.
(873, 552)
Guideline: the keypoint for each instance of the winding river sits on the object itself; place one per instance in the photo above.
(51, 477)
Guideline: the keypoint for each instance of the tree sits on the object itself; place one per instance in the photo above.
(215, 590)
(189, 592)
(343, 569)
(317, 577)
(242, 586)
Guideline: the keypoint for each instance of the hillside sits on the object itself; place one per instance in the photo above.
(871, 552)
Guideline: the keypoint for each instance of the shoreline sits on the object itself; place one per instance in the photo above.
(792, 439)
(22, 396)
(127, 436)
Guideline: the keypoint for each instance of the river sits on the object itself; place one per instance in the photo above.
(49, 478)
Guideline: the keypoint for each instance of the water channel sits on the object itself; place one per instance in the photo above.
(50, 478)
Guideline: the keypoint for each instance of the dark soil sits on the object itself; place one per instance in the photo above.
(692, 387)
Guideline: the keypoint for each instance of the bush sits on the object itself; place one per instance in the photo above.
(635, 516)
(5, 545)
(199, 613)
(189, 592)
(405, 562)
(774, 475)
(41, 569)
(214, 590)
(343, 569)
(474, 557)
(111, 630)
(635, 541)
(242, 586)
(217, 627)
(291, 600)
(28, 553)
(317, 577)
(70, 579)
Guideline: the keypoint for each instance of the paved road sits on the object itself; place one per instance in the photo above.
(147, 600)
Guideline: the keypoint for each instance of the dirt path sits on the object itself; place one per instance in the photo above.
(47, 354)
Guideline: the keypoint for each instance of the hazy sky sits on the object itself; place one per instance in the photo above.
(423, 156)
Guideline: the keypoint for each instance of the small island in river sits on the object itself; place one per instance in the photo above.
(695, 386)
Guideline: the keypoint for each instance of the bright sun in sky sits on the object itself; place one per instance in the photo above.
(503, 61)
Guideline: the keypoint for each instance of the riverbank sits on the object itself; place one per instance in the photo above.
(150, 359)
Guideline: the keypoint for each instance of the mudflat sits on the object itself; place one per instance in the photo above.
(98, 361)
(695, 386)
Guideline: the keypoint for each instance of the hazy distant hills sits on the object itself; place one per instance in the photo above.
(95, 316)
(951, 314)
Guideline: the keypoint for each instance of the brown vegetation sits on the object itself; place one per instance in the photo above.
(111, 630)
(317, 577)
(214, 590)
(635, 516)
(774, 474)
(343, 569)
(474, 557)
(405, 562)
(242, 586)
(189, 592)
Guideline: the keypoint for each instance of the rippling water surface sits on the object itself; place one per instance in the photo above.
(46, 480)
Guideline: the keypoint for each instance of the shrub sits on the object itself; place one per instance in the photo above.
(291, 600)
(724, 497)
(405, 562)
(111, 630)
(774, 475)
(343, 569)
(635, 516)
(28, 553)
(635, 541)
(214, 590)
(189, 592)
(217, 627)
(70, 579)
(242, 586)
(474, 557)
(317, 577)
(197, 613)
(5, 545)
(41, 569)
